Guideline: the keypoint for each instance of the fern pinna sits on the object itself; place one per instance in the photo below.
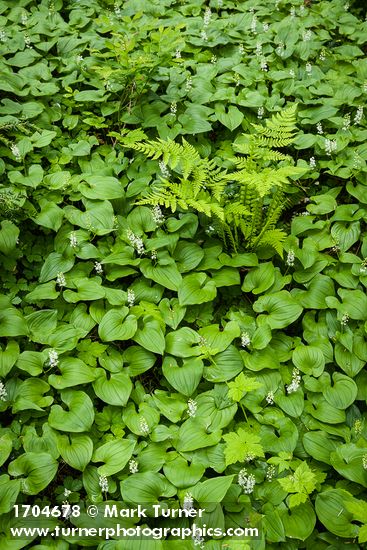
(245, 203)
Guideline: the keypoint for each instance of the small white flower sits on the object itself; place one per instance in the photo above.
(188, 503)
(203, 35)
(117, 10)
(260, 112)
(246, 481)
(263, 65)
(143, 425)
(103, 483)
(73, 240)
(357, 427)
(249, 457)
(253, 25)
(363, 267)
(79, 58)
(296, 381)
(27, 40)
(207, 17)
(346, 122)
(130, 297)
(280, 49)
(270, 472)
(53, 358)
(293, 12)
(259, 49)
(302, 9)
(3, 36)
(330, 146)
(60, 279)
(319, 128)
(270, 398)
(364, 461)
(133, 466)
(153, 254)
(359, 115)
(213, 59)
(16, 152)
(202, 341)
(136, 242)
(3, 392)
(346, 6)
(24, 18)
(312, 162)
(308, 68)
(66, 493)
(345, 319)
(198, 540)
(290, 258)
(98, 267)
(292, 73)
(322, 55)
(164, 170)
(241, 49)
(173, 108)
(265, 27)
(177, 54)
(191, 407)
(307, 35)
(245, 339)
(188, 84)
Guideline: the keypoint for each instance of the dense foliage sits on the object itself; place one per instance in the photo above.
(183, 252)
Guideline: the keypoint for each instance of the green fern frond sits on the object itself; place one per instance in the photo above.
(274, 238)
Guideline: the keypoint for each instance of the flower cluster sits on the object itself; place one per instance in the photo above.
(188, 502)
(245, 339)
(60, 279)
(143, 425)
(270, 398)
(136, 242)
(98, 267)
(246, 481)
(359, 115)
(103, 483)
(330, 146)
(130, 297)
(53, 358)
(319, 128)
(73, 240)
(296, 381)
(16, 152)
(260, 112)
(133, 466)
(364, 461)
(173, 108)
(157, 214)
(312, 162)
(345, 319)
(164, 170)
(308, 68)
(188, 84)
(270, 472)
(3, 392)
(191, 407)
(290, 258)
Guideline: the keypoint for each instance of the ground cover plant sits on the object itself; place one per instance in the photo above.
(183, 251)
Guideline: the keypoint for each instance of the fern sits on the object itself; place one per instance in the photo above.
(236, 201)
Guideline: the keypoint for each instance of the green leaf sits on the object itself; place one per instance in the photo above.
(309, 359)
(117, 324)
(212, 490)
(241, 444)
(281, 307)
(8, 357)
(75, 449)
(241, 385)
(230, 119)
(115, 455)
(185, 378)
(196, 288)
(37, 469)
(79, 417)
(332, 510)
(9, 490)
(9, 234)
(151, 336)
(114, 390)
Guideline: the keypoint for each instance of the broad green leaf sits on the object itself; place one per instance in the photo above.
(281, 307)
(309, 359)
(115, 389)
(196, 288)
(75, 449)
(241, 444)
(115, 455)
(117, 324)
(37, 471)
(79, 416)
